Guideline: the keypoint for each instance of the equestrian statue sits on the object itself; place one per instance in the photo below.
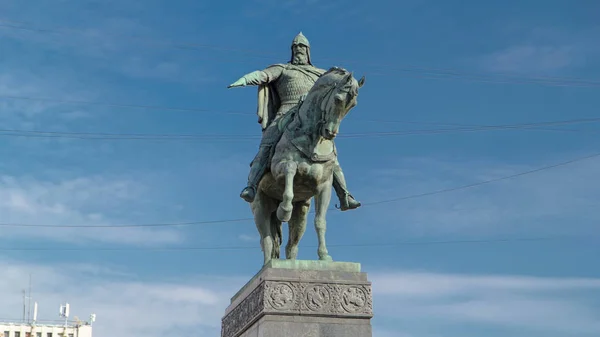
(300, 109)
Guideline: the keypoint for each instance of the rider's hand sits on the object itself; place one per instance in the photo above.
(239, 83)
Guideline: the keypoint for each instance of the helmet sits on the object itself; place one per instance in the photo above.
(301, 39)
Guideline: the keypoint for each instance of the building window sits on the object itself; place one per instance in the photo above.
(17, 334)
(38, 334)
(28, 334)
(49, 334)
(6, 333)
(70, 335)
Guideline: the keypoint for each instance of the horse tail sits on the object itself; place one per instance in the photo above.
(276, 235)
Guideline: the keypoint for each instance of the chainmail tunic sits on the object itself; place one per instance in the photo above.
(291, 84)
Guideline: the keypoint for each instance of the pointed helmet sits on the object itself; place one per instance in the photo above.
(302, 40)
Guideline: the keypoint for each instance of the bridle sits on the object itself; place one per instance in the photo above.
(322, 111)
(326, 97)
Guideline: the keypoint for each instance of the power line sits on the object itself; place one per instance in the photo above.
(130, 136)
(173, 224)
(204, 110)
(24, 26)
(413, 196)
(121, 105)
(432, 73)
(358, 245)
(225, 137)
(487, 181)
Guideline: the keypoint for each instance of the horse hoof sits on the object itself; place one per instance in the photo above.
(326, 258)
(283, 214)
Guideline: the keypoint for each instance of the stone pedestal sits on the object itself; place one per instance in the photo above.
(302, 299)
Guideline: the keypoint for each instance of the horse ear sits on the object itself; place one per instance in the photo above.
(361, 82)
(347, 78)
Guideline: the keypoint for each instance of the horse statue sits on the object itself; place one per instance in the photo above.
(301, 165)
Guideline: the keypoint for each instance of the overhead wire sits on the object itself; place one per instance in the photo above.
(448, 73)
(38, 134)
(206, 110)
(412, 196)
(428, 72)
(225, 137)
(351, 245)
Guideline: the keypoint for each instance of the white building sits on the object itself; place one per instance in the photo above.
(35, 328)
(45, 330)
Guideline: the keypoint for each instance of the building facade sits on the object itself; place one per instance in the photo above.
(44, 330)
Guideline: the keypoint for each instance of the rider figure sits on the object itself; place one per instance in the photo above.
(281, 88)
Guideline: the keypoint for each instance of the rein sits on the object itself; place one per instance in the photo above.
(322, 112)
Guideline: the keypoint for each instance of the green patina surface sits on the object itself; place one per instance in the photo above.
(297, 94)
(349, 267)
(314, 265)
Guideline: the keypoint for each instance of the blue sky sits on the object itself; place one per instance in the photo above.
(183, 54)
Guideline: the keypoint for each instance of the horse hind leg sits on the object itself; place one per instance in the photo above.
(284, 211)
(275, 225)
(322, 200)
(297, 227)
(262, 208)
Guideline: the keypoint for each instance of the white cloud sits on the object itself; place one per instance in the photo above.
(532, 205)
(22, 109)
(21, 85)
(546, 304)
(80, 201)
(544, 51)
(123, 307)
(390, 333)
(128, 306)
(423, 285)
(533, 58)
(107, 44)
(249, 238)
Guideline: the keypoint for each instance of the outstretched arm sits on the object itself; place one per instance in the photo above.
(258, 77)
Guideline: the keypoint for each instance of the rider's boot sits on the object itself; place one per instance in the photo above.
(257, 170)
(347, 201)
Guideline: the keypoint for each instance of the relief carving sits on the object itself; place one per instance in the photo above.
(317, 297)
(239, 318)
(280, 296)
(354, 299)
(302, 298)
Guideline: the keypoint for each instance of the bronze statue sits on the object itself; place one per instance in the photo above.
(281, 87)
(303, 165)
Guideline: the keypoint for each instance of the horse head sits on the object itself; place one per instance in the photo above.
(340, 97)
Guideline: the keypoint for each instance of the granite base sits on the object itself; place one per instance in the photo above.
(302, 299)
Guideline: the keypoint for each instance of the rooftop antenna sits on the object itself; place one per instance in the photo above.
(64, 312)
(23, 317)
(92, 319)
(29, 298)
(35, 310)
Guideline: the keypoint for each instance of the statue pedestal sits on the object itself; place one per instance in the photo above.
(302, 299)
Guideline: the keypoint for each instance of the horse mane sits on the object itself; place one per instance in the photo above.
(326, 81)
(331, 76)
(316, 94)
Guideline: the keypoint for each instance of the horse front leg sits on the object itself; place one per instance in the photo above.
(284, 211)
(297, 227)
(322, 200)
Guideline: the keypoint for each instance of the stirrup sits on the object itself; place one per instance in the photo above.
(347, 203)
(249, 190)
